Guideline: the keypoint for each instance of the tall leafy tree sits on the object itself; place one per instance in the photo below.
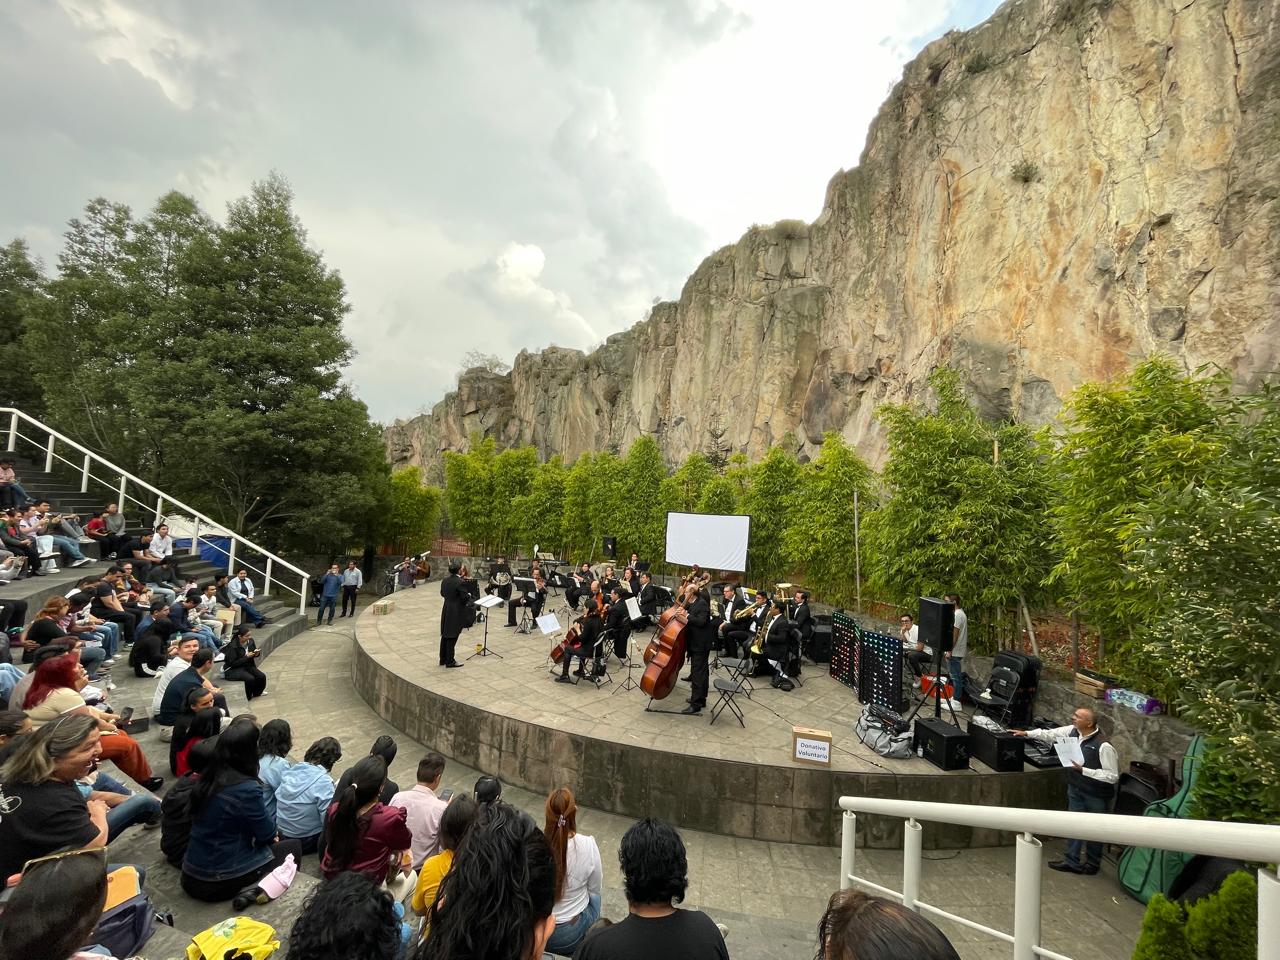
(512, 478)
(540, 511)
(468, 487)
(642, 511)
(687, 482)
(576, 518)
(820, 536)
(413, 513)
(21, 290)
(964, 506)
(719, 495)
(608, 493)
(768, 500)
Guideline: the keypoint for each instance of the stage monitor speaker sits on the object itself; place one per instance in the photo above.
(937, 624)
(1002, 752)
(611, 548)
(943, 744)
(820, 643)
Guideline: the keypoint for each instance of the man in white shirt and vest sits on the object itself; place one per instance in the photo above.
(352, 581)
(1091, 786)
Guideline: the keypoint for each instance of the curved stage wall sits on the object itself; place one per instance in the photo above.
(609, 770)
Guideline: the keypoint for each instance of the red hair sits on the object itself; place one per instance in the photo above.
(53, 674)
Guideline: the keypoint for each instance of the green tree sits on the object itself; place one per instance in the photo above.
(772, 483)
(1209, 556)
(21, 289)
(414, 510)
(1122, 447)
(512, 478)
(608, 493)
(642, 511)
(541, 510)
(576, 518)
(819, 536)
(468, 490)
(719, 495)
(964, 505)
(687, 482)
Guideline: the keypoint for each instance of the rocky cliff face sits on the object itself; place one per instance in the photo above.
(1043, 200)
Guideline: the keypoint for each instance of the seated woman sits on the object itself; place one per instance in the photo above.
(361, 834)
(56, 691)
(242, 662)
(197, 699)
(579, 874)
(506, 860)
(55, 907)
(204, 725)
(175, 808)
(151, 645)
(348, 917)
(456, 820)
(858, 926)
(233, 839)
(45, 812)
(274, 745)
(13, 724)
(305, 792)
(48, 625)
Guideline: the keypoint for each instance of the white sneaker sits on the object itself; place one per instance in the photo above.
(149, 672)
(724, 931)
(107, 662)
(219, 657)
(79, 563)
(86, 539)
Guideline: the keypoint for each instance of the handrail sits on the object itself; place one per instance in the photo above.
(162, 498)
(1251, 842)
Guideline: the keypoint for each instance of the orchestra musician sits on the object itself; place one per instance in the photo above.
(583, 646)
(648, 595)
(801, 617)
(619, 621)
(534, 601)
(499, 578)
(609, 579)
(453, 615)
(697, 577)
(581, 581)
(699, 636)
(630, 582)
(776, 644)
(732, 633)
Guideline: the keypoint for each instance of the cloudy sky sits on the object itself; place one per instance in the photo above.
(485, 174)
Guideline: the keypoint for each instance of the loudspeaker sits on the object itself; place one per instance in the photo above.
(937, 624)
(1002, 752)
(611, 548)
(941, 743)
(820, 643)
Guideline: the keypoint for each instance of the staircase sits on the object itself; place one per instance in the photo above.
(66, 497)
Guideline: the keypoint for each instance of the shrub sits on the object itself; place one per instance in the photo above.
(1163, 936)
(1025, 171)
(1224, 926)
(977, 63)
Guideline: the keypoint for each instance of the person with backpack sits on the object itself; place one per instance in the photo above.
(1091, 784)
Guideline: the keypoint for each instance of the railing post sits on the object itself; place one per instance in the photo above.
(848, 844)
(123, 480)
(159, 511)
(231, 558)
(266, 584)
(48, 455)
(1026, 897)
(912, 844)
(13, 432)
(84, 475)
(302, 595)
(1268, 915)
(195, 539)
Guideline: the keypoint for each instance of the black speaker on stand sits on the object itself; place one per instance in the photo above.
(611, 548)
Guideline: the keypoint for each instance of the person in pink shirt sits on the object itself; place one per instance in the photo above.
(424, 808)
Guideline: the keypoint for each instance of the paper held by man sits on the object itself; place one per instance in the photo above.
(1069, 751)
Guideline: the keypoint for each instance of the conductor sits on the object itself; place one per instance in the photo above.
(453, 615)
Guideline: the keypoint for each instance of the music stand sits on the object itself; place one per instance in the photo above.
(549, 624)
(525, 586)
(629, 684)
(492, 600)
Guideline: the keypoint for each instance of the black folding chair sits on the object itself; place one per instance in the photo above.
(600, 651)
(996, 701)
(728, 689)
(739, 672)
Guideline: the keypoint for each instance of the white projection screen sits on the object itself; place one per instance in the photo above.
(713, 541)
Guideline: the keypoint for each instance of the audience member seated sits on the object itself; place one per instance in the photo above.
(45, 811)
(858, 926)
(59, 647)
(159, 553)
(21, 544)
(175, 808)
(196, 675)
(144, 593)
(153, 642)
(164, 709)
(54, 909)
(124, 807)
(385, 748)
(361, 833)
(457, 819)
(497, 899)
(579, 874)
(13, 617)
(180, 613)
(274, 744)
(14, 724)
(305, 792)
(56, 691)
(241, 662)
(107, 605)
(240, 593)
(219, 617)
(48, 626)
(35, 523)
(424, 808)
(202, 723)
(655, 873)
(12, 493)
(79, 622)
(487, 790)
(233, 839)
(348, 917)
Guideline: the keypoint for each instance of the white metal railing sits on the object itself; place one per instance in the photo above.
(120, 490)
(1242, 841)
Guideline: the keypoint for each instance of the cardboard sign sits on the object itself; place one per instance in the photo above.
(811, 746)
(382, 607)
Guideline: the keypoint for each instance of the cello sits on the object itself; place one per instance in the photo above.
(664, 655)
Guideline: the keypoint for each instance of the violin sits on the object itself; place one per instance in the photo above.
(664, 655)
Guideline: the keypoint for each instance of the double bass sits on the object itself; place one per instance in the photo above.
(664, 655)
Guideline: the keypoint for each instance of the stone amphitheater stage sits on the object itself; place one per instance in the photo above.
(508, 717)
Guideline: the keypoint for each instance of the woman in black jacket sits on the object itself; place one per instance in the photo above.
(242, 662)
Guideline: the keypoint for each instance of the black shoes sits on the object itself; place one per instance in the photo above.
(453, 665)
(153, 783)
(688, 679)
(246, 897)
(563, 678)
(1089, 869)
(692, 710)
(1066, 866)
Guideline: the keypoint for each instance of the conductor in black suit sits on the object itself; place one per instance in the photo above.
(453, 615)
(700, 635)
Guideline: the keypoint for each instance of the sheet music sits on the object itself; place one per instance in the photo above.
(1069, 751)
(633, 608)
(492, 600)
(548, 624)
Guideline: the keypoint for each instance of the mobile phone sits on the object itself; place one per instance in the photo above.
(446, 793)
(126, 715)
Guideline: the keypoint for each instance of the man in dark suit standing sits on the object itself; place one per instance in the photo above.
(619, 623)
(802, 618)
(700, 635)
(453, 615)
